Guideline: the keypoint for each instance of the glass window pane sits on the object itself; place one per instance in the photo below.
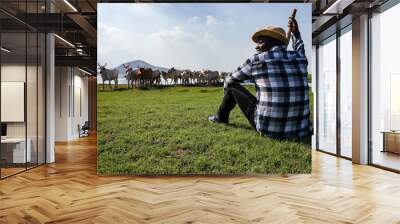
(31, 97)
(385, 84)
(23, 90)
(41, 98)
(346, 94)
(327, 96)
(14, 153)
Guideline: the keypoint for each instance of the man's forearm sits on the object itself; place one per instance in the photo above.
(298, 44)
(242, 73)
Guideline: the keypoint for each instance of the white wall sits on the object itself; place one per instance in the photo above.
(62, 82)
(14, 72)
(81, 83)
(13, 101)
(70, 83)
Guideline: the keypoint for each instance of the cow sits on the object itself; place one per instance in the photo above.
(156, 77)
(145, 76)
(186, 75)
(196, 77)
(165, 76)
(201, 77)
(172, 76)
(211, 77)
(193, 77)
(175, 74)
(108, 74)
(131, 75)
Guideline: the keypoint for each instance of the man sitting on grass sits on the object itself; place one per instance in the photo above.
(281, 109)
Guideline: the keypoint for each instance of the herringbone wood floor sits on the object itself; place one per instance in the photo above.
(69, 191)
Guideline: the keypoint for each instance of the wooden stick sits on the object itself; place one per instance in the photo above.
(289, 32)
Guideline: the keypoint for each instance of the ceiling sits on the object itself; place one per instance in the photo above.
(76, 22)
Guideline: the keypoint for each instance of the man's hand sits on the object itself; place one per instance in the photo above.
(292, 25)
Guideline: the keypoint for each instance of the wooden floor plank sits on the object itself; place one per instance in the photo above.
(70, 191)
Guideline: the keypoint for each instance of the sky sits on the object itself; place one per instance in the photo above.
(190, 36)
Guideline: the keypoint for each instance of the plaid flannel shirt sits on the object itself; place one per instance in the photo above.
(280, 77)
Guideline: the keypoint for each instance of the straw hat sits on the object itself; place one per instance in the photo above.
(271, 31)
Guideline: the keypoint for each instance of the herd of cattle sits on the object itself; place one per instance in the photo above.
(146, 77)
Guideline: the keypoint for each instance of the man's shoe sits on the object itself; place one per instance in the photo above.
(216, 119)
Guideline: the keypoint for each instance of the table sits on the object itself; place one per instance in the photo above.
(13, 150)
(391, 141)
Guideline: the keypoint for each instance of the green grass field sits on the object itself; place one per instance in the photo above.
(165, 131)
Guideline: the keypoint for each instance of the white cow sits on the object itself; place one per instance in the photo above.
(165, 76)
(186, 75)
(196, 77)
(108, 74)
(175, 74)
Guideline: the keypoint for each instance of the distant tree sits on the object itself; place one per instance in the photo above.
(309, 78)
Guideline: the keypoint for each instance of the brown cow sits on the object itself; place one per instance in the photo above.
(145, 77)
(131, 75)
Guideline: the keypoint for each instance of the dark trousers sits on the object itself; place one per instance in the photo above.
(237, 94)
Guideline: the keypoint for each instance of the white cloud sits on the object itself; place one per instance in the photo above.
(175, 35)
(174, 46)
(193, 19)
(212, 21)
(210, 38)
(231, 22)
